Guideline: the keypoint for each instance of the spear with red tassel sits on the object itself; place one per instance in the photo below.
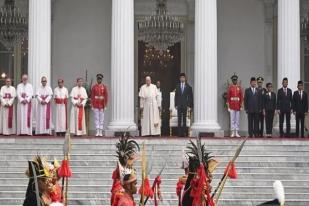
(156, 187)
(230, 171)
(65, 170)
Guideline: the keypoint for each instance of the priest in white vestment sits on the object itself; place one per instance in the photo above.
(43, 112)
(7, 95)
(24, 107)
(150, 106)
(79, 99)
(61, 96)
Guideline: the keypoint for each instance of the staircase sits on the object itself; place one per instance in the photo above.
(93, 160)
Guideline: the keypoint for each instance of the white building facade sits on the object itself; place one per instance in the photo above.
(248, 37)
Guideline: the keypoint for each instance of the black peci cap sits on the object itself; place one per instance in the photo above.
(100, 76)
(260, 79)
(234, 77)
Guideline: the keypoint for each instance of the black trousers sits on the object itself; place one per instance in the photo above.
(261, 124)
(253, 124)
(269, 118)
(300, 118)
(287, 116)
(182, 121)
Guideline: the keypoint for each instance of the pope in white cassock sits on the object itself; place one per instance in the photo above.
(150, 105)
(61, 96)
(7, 95)
(79, 98)
(24, 107)
(43, 112)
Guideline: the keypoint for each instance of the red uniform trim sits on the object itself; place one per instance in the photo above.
(99, 96)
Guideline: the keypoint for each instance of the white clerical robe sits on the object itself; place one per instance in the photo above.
(43, 112)
(24, 111)
(61, 96)
(7, 95)
(77, 121)
(150, 103)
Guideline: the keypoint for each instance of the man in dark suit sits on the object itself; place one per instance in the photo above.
(261, 89)
(300, 107)
(284, 107)
(183, 103)
(269, 108)
(253, 107)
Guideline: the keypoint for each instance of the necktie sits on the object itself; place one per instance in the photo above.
(253, 90)
(300, 94)
(182, 87)
(285, 92)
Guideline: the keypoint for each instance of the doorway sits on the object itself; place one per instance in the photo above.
(163, 67)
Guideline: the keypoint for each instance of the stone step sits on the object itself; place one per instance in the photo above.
(167, 146)
(113, 163)
(153, 140)
(105, 152)
(165, 195)
(155, 170)
(93, 160)
(100, 182)
(172, 157)
(166, 189)
(264, 175)
(166, 202)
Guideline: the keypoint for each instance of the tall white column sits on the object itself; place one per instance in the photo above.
(39, 49)
(288, 42)
(205, 73)
(122, 68)
(39, 56)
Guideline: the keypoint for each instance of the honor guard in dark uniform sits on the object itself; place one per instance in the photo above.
(263, 91)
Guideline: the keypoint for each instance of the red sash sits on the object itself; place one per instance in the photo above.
(29, 114)
(63, 101)
(10, 108)
(47, 123)
(80, 114)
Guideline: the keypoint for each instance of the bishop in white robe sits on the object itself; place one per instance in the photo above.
(79, 99)
(24, 107)
(7, 95)
(43, 112)
(150, 105)
(61, 96)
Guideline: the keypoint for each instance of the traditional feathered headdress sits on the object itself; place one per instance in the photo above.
(198, 151)
(201, 165)
(127, 150)
(41, 167)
